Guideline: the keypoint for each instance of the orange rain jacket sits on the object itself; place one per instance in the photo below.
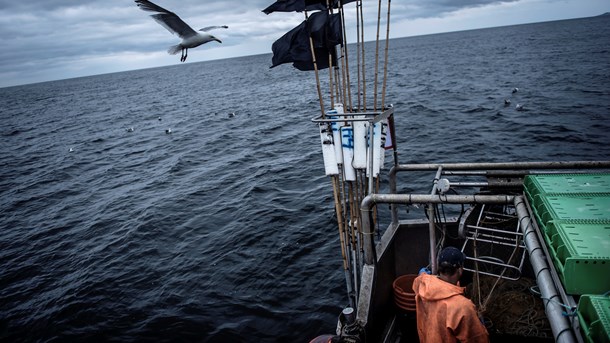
(444, 314)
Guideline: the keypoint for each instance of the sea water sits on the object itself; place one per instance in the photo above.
(112, 229)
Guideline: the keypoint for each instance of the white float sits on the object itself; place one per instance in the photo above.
(328, 150)
(347, 143)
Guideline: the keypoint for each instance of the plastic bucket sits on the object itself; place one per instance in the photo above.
(404, 297)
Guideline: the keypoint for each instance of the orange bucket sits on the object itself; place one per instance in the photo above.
(404, 297)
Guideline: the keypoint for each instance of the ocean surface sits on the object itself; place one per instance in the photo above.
(224, 230)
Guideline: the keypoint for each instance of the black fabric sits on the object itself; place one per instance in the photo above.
(294, 46)
(302, 5)
(295, 6)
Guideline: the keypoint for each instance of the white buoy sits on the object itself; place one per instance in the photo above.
(384, 136)
(168, 131)
(328, 150)
(389, 142)
(347, 143)
(360, 131)
(336, 127)
(339, 108)
(378, 151)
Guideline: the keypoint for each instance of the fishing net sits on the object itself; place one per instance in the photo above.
(510, 307)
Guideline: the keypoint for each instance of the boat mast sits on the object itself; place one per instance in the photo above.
(344, 126)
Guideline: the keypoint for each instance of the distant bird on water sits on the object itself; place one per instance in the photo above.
(175, 25)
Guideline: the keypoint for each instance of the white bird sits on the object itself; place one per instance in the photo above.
(175, 25)
(168, 131)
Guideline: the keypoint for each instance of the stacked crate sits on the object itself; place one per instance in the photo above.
(573, 212)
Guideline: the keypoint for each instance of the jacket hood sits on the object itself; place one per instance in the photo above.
(431, 288)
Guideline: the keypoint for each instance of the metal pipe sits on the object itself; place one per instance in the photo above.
(503, 173)
(372, 199)
(432, 233)
(432, 224)
(486, 184)
(367, 234)
(392, 181)
(408, 199)
(507, 165)
(371, 143)
(560, 326)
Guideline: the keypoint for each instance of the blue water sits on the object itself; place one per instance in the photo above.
(223, 231)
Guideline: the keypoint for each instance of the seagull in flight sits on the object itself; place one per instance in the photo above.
(175, 25)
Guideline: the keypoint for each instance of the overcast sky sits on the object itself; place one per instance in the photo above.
(45, 40)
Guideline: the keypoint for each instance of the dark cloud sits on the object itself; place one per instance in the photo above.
(437, 8)
(60, 33)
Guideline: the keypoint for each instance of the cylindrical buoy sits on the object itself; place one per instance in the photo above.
(347, 142)
(336, 127)
(328, 150)
(384, 136)
(360, 130)
(377, 151)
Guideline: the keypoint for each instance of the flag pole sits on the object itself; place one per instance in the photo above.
(330, 64)
(358, 4)
(363, 57)
(347, 92)
(330, 81)
(315, 68)
(377, 57)
(385, 66)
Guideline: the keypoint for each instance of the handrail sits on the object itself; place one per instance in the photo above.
(372, 199)
(560, 326)
(377, 116)
(505, 165)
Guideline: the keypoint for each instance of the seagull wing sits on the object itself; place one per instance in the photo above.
(167, 19)
(208, 28)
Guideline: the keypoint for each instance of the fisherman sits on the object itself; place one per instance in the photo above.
(444, 314)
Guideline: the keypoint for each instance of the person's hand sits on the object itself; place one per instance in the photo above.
(424, 270)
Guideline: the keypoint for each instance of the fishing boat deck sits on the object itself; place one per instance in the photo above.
(536, 245)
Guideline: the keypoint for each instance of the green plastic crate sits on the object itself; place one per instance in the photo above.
(563, 184)
(594, 317)
(581, 254)
(575, 208)
(569, 197)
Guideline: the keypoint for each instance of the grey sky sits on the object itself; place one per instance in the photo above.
(46, 40)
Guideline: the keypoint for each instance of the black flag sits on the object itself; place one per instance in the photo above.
(326, 33)
(295, 6)
(292, 46)
(302, 5)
